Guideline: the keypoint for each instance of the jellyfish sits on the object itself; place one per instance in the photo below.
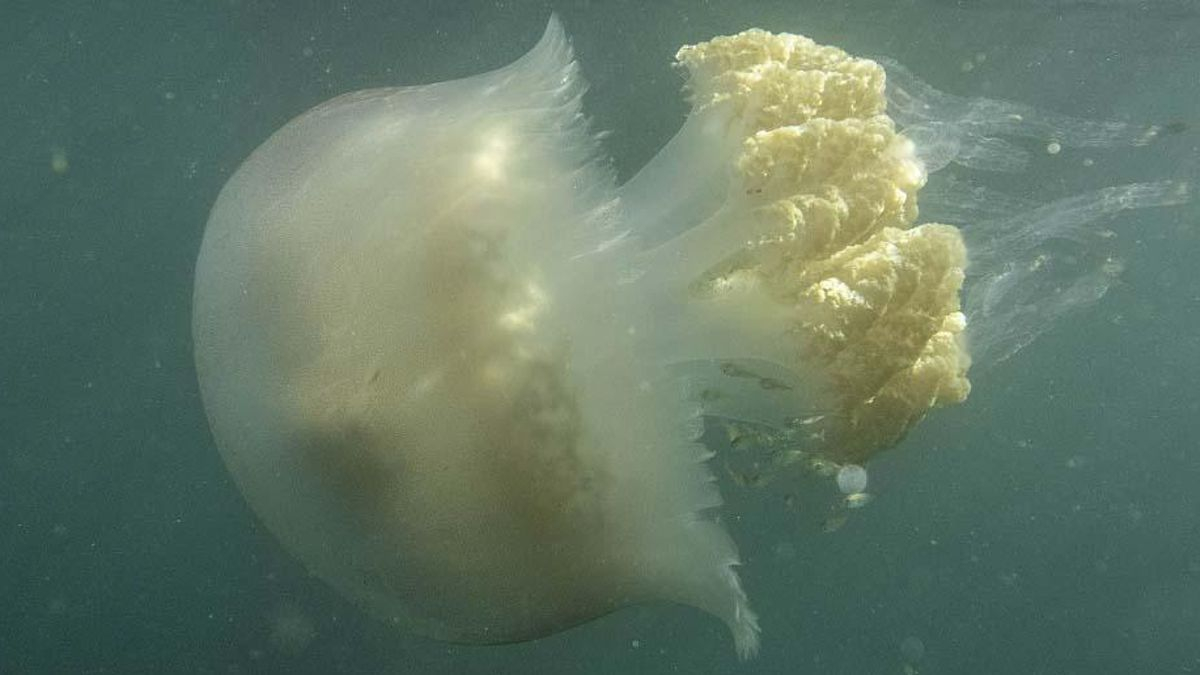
(1032, 264)
(462, 374)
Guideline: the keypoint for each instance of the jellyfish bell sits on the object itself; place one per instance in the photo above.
(422, 368)
(462, 374)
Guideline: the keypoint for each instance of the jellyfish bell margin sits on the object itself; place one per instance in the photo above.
(462, 374)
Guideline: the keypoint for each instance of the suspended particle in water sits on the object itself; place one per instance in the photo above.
(852, 479)
(912, 650)
(58, 161)
(291, 630)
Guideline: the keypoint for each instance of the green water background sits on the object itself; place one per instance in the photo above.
(1050, 525)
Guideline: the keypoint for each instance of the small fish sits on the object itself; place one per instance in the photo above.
(732, 369)
(745, 478)
(770, 383)
(823, 467)
(834, 522)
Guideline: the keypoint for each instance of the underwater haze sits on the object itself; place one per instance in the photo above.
(1048, 524)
